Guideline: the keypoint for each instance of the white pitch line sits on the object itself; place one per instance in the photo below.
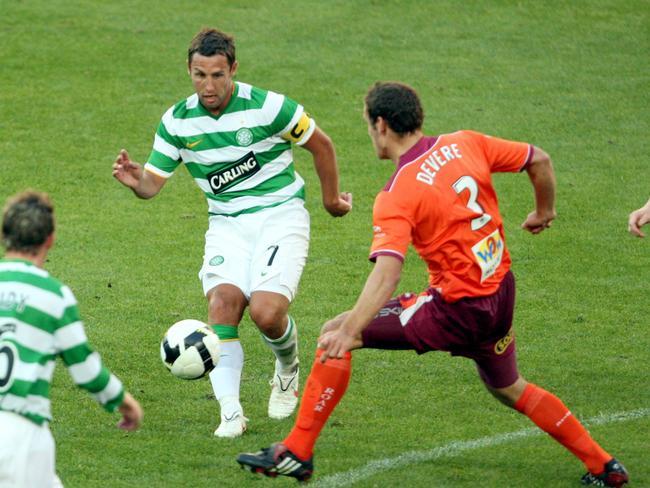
(456, 447)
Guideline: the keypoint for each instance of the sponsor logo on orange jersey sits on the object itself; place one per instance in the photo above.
(488, 253)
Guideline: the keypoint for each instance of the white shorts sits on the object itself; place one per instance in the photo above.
(26, 453)
(261, 251)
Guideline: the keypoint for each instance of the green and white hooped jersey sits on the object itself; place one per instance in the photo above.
(39, 321)
(241, 158)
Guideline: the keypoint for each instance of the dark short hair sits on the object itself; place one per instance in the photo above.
(398, 104)
(27, 221)
(209, 42)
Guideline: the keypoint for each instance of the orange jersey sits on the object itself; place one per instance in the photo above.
(442, 200)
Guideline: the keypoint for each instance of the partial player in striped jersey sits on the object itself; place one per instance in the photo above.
(236, 142)
(39, 321)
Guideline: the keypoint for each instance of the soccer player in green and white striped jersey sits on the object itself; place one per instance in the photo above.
(39, 321)
(236, 142)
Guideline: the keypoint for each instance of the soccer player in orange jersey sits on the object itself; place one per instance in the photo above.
(441, 200)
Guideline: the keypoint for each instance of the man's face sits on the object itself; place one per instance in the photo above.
(375, 136)
(212, 80)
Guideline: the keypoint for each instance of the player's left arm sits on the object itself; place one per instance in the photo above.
(542, 177)
(322, 150)
(379, 288)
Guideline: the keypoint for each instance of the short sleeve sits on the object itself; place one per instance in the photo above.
(301, 131)
(292, 122)
(165, 155)
(504, 156)
(392, 227)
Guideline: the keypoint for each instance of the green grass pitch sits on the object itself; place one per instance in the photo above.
(81, 80)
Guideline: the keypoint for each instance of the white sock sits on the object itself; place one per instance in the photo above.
(226, 376)
(285, 349)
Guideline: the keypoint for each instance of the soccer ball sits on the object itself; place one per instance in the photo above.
(190, 349)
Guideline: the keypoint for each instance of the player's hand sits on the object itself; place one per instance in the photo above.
(126, 171)
(131, 413)
(637, 219)
(336, 343)
(340, 206)
(536, 223)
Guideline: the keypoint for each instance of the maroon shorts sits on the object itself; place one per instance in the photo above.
(477, 328)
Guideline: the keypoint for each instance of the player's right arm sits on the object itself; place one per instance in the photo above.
(87, 369)
(542, 177)
(131, 413)
(393, 224)
(380, 286)
(637, 219)
(143, 183)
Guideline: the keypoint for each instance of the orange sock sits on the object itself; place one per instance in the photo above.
(325, 387)
(551, 415)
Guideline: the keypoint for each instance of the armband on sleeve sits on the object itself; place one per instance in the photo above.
(301, 131)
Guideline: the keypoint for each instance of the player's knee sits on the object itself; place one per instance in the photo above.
(269, 312)
(225, 306)
(269, 319)
(510, 394)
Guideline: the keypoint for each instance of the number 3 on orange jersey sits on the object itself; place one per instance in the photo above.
(469, 183)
